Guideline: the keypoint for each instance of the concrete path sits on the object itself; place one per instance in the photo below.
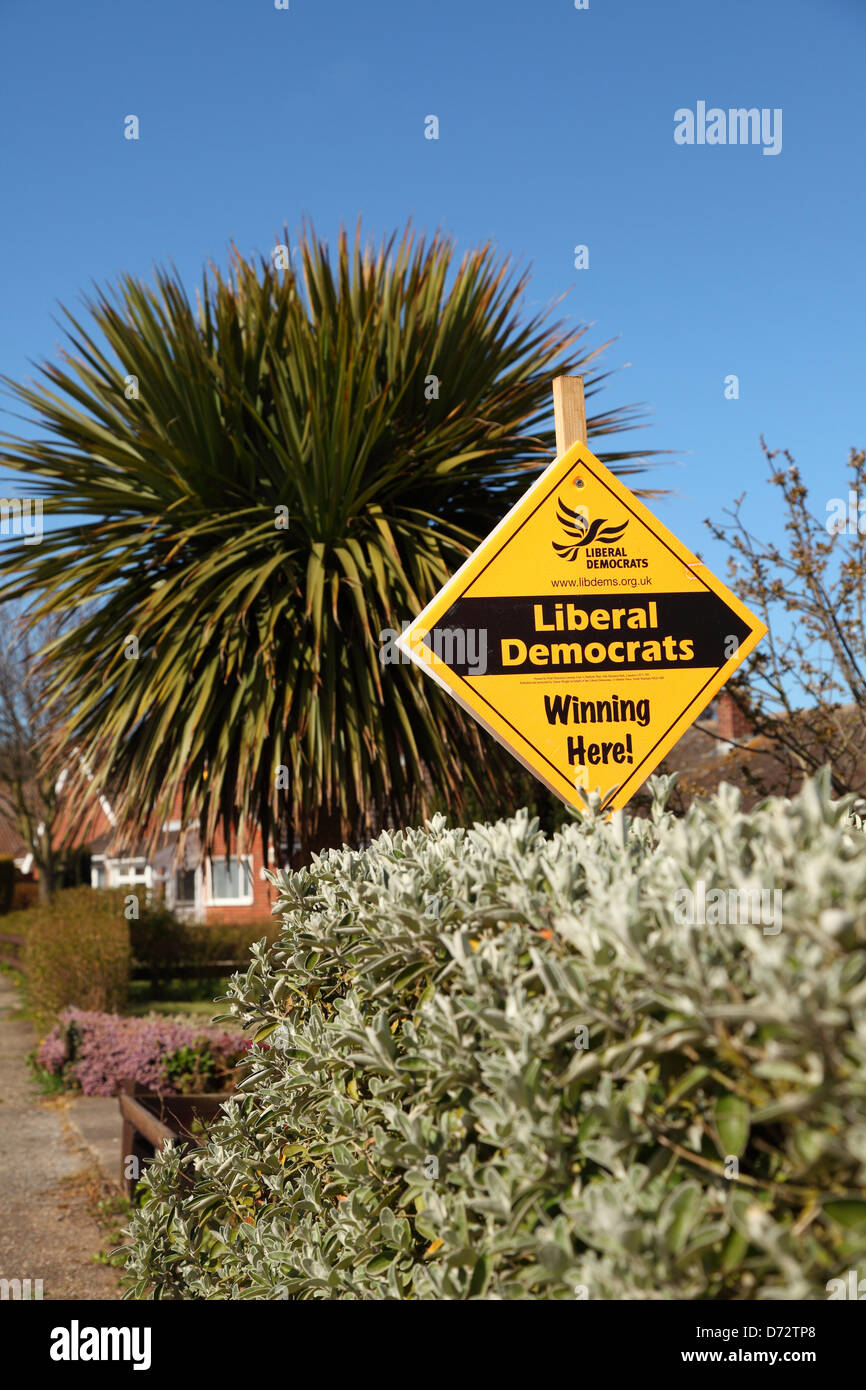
(95, 1121)
(47, 1177)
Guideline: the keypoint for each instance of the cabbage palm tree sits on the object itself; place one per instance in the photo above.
(270, 476)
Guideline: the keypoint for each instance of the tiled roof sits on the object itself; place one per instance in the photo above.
(753, 764)
(11, 844)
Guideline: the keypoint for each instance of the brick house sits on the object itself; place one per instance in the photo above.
(709, 752)
(209, 889)
(721, 746)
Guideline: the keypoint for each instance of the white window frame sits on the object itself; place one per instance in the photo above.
(247, 899)
(137, 873)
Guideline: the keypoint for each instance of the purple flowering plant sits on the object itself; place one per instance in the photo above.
(97, 1051)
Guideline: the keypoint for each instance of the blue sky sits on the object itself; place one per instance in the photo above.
(556, 129)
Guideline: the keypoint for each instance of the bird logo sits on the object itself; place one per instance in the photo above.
(582, 531)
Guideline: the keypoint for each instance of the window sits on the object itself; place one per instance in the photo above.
(123, 871)
(97, 874)
(231, 880)
(184, 888)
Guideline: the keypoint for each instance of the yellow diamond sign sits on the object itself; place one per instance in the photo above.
(582, 634)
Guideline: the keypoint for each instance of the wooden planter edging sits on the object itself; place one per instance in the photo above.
(151, 1121)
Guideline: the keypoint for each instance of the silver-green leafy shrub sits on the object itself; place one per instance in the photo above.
(490, 1064)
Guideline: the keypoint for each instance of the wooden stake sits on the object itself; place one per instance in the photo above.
(569, 412)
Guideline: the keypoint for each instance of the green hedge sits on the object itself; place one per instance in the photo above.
(161, 941)
(80, 947)
(496, 1065)
(77, 952)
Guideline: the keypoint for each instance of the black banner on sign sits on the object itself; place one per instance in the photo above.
(531, 635)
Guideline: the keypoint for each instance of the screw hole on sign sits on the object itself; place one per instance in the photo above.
(578, 482)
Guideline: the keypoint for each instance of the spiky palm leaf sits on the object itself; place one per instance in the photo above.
(259, 647)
